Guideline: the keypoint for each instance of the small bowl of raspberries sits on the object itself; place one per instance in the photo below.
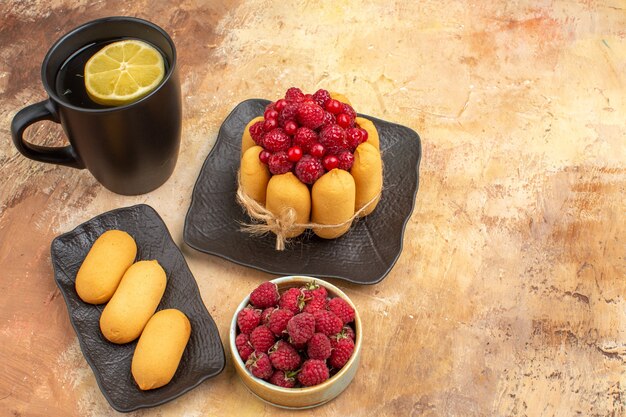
(296, 341)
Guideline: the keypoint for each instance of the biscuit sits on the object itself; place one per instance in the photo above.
(101, 271)
(135, 301)
(160, 348)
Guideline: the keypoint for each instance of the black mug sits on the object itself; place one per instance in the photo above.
(130, 149)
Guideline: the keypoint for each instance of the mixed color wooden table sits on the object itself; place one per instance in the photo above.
(509, 295)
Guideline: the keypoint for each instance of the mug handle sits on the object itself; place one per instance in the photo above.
(34, 113)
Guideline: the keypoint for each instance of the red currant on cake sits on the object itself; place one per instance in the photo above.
(294, 154)
(347, 109)
(343, 120)
(333, 106)
(270, 114)
(317, 150)
(270, 124)
(264, 156)
(330, 162)
(291, 127)
(355, 137)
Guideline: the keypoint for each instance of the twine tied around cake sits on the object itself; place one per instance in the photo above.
(284, 223)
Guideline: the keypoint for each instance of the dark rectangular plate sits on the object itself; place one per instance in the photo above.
(204, 355)
(364, 255)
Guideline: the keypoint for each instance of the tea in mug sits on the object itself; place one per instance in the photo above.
(148, 70)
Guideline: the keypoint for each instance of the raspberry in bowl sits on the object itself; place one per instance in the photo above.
(295, 341)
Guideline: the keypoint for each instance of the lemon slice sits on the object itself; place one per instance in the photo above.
(123, 72)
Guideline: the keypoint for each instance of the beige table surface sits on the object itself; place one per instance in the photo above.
(509, 296)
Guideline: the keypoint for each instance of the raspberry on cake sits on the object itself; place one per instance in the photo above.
(310, 115)
(304, 138)
(334, 139)
(279, 163)
(276, 140)
(309, 169)
(311, 136)
(321, 97)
